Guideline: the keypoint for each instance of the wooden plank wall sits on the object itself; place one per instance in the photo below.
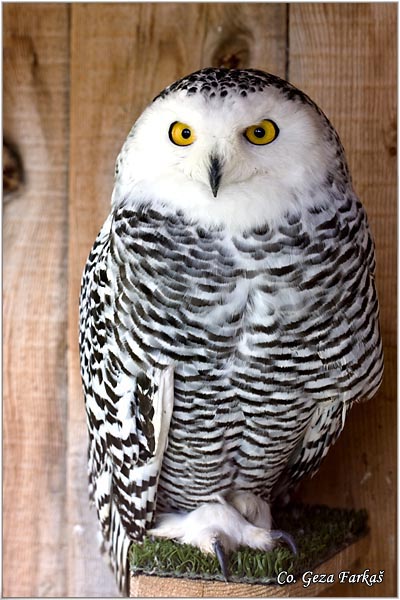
(35, 244)
(76, 77)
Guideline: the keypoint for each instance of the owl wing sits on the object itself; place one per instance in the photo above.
(350, 348)
(128, 414)
(323, 430)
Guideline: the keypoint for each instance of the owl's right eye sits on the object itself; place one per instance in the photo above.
(181, 134)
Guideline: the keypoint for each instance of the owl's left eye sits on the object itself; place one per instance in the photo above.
(181, 134)
(262, 133)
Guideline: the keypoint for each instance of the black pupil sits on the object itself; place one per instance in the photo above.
(259, 132)
(186, 133)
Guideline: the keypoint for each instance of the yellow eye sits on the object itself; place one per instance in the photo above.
(181, 134)
(263, 133)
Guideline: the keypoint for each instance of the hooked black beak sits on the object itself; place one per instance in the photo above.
(215, 174)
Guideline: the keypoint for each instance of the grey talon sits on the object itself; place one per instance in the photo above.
(277, 534)
(220, 554)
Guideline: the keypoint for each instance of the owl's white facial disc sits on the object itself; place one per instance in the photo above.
(252, 183)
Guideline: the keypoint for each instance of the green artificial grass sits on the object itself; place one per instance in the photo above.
(319, 533)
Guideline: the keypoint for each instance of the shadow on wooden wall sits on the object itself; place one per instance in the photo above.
(76, 77)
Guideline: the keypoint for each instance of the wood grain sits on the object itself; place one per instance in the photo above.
(246, 36)
(344, 57)
(35, 105)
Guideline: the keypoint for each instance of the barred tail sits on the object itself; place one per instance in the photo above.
(118, 551)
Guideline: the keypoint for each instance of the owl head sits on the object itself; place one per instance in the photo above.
(230, 148)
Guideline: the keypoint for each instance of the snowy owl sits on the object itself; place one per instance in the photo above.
(228, 314)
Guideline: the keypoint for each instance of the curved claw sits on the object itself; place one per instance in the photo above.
(277, 534)
(220, 554)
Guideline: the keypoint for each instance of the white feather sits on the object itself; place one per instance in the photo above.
(216, 521)
(259, 183)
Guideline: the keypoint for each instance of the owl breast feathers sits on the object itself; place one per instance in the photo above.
(228, 315)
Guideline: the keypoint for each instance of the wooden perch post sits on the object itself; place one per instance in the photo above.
(144, 586)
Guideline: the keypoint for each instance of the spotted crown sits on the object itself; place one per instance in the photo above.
(214, 83)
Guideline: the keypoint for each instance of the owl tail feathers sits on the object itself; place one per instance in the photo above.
(139, 506)
(118, 547)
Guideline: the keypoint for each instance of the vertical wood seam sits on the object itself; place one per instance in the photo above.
(287, 47)
(67, 572)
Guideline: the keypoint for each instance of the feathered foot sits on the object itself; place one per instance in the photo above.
(222, 526)
(258, 512)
